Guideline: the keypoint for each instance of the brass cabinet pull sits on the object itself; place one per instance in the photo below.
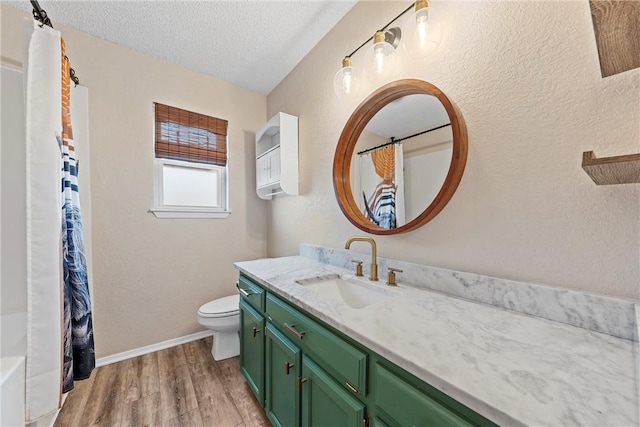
(292, 328)
(352, 388)
(300, 381)
(242, 291)
(255, 331)
(287, 367)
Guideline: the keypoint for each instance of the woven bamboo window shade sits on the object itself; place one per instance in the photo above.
(192, 137)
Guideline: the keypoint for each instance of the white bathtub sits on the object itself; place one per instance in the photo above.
(12, 368)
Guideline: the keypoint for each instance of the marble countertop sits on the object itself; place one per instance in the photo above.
(512, 368)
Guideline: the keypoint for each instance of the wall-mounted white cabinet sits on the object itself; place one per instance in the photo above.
(277, 156)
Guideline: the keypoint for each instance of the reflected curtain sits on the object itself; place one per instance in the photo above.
(382, 185)
(79, 354)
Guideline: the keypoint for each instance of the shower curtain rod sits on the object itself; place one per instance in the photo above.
(39, 14)
(393, 140)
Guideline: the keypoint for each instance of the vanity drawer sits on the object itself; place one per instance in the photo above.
(346, 363)
(251, 292)
(408, 405)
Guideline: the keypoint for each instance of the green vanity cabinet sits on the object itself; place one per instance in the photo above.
(325, 402)
(282, 371)
(306, 373)
(252, 326)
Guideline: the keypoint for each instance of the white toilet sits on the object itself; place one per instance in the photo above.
(223, 318)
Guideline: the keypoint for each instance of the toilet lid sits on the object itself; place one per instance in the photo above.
(220, 307)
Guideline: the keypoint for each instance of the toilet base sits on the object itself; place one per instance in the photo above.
(225, 345)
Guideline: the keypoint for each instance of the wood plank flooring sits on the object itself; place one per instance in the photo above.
(178, 386)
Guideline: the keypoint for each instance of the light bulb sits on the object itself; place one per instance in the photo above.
(421, 34)
(346, 83)
(380, 60)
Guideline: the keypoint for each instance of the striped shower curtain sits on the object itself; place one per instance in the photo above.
(79, 355)
(381, 179)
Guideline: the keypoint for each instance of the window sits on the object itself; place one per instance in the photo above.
(190, 165)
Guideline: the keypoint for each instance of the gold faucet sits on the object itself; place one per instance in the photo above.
(374, 254)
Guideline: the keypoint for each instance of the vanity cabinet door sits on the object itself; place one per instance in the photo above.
(345, 363)
(377, 422)
(325, 403)
(404, 404)
(252, 348)
(282, 369)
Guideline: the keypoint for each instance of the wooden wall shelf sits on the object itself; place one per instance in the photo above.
(612, 170)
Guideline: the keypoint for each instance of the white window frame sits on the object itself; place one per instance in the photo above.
(160, 210)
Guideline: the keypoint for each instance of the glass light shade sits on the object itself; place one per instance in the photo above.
(346, 83)
(380, 60)
(421, 34)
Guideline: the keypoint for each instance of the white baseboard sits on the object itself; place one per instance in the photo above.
(118, 357)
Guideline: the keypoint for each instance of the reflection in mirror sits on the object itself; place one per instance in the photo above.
(443, 138)
(402, 159)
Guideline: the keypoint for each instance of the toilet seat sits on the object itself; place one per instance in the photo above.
(222, 307)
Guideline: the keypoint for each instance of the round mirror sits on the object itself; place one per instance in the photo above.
(400, 157)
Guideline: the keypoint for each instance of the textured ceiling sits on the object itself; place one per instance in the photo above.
(252, 44)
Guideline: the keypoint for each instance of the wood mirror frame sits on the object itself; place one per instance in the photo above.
(351, 133)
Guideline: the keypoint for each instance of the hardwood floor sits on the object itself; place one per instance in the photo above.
(179, 386)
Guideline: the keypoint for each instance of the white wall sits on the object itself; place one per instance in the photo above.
(151, 275)
(13, 263)
(13, 192)
(527, 80)
(424, 175)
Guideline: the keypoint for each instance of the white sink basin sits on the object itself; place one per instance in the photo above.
(353, 292)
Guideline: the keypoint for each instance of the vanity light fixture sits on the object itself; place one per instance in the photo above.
(380, 59)
(346, 83)
(423, 35)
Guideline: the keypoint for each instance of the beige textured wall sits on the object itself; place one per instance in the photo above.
(151, 275)
(527, 79)
(13, 217)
